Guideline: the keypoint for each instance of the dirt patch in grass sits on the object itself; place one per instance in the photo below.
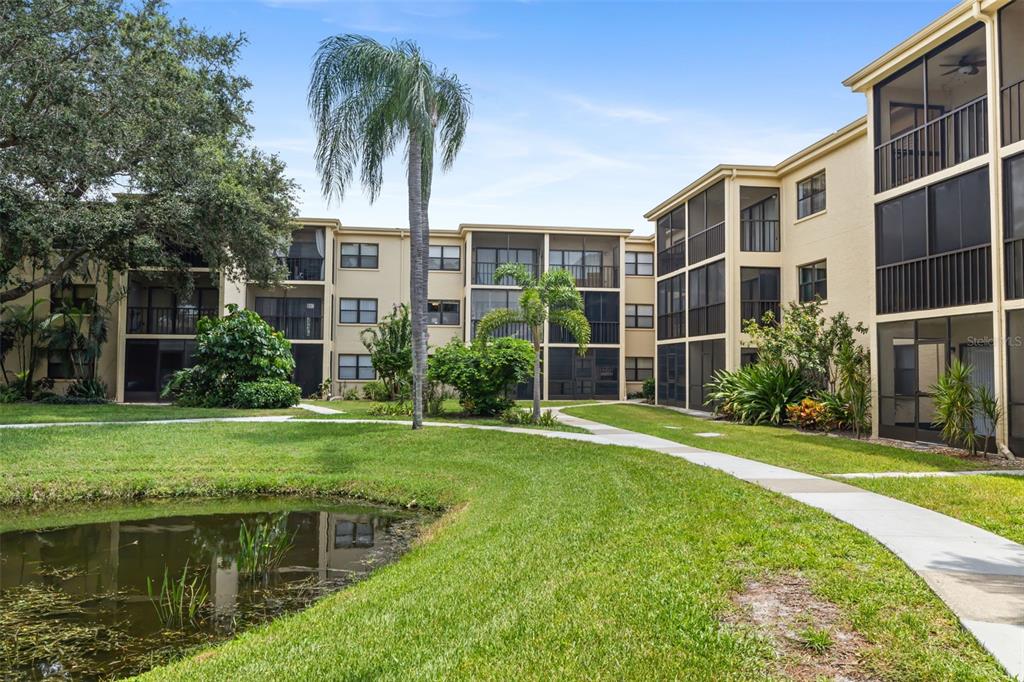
(808, 634)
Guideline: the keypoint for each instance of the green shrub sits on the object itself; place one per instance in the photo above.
(809, 414)
(837, 411)
(649, 389)
(93, 389)
(376, 391)
(231, 350)
(484, 374)
(519, 415)
(758, 393)
(9, 394)
(266, 394)
(402, 408)
(955, 406)
(350, 394)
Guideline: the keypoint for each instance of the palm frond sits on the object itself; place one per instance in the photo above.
(495, 319)
(516, 272)
(576, 323)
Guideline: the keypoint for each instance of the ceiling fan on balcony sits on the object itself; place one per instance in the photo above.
(966, 66)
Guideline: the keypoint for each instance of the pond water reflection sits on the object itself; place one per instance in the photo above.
(84, 601)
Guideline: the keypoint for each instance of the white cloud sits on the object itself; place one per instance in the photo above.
(623, 113)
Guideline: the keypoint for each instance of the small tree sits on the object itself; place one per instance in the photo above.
(23, 332)
(552, 297)
(390, 347)
(240, 361)
(991, 411)
(484, 374)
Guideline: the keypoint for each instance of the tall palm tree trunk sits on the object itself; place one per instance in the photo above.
(418, 237)
(536, 376)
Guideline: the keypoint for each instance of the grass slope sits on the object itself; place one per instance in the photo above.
(556, 559)
(815, 454)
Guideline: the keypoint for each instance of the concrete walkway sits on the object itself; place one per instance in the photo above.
(931, 474)
(978, 574)
(318, 409)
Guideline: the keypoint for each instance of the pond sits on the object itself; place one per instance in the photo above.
(110, 599)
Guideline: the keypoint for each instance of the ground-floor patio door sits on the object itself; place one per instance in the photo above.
(149, 365)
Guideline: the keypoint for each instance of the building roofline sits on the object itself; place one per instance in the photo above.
(934, 34)
(806, 155)
(497, 227)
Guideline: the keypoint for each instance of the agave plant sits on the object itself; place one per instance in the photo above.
(758, 393)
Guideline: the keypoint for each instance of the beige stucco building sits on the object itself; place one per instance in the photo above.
(909, 219)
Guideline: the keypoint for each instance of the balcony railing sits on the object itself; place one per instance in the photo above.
(296, 327)
(708, 319)
(1013, 107)
(146, 320)
(483, 273)
(672, 258)
(595, 276)
(759, 235)
(517, 330)
(672, 326)
(707, 244)
(600, 332)
(303, 269)
(755, 310)
(956, 278)
(1013, 260)
(952, 138)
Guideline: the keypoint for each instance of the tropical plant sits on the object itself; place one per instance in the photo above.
(955, 404)
(376, 391)
(266, 394)
(231, 350)
(366, 99)
(853, 365)
(87, 388)
(23, 331)
(262, 547)
(991, 411)
(758, 393)
(179, 600)
(553, 298)
(518, 415)
(484, 374)
(390, 347)
(649, 389)
(809, 414)
(107, 97)
(805, 339)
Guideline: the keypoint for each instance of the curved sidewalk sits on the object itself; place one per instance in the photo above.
(978, 574)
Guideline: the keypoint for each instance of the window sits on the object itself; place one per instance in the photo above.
(810, 195)
(639, 263)
(359, 256)
(58, 365)
(356, 367)
(80, 296)
(443, 313)
(445, 258)
(813, 282)
(639, 369)
(639, 316)
(357, 311)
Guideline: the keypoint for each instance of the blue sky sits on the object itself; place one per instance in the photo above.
(585, 114)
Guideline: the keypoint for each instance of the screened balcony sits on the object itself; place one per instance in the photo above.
(298, 318)
(934, 247)
(1011, 25)
(706, 224)
(592, 261)
(157, 305)
(933, 114)
(671, 241)
(305, 259)
(602, 311)
(759, 219)
(491, 250)
(759, 293)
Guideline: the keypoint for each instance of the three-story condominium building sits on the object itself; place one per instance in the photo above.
(910, 220)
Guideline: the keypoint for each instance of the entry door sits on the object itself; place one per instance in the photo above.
(309, 370)
(982, 360)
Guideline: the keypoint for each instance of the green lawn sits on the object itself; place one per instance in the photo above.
(360, 409)
(815, 454)
(555, 559)
(41, 413)
(995, 503)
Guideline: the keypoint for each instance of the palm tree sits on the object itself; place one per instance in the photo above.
(552, 297)
(365, 99)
